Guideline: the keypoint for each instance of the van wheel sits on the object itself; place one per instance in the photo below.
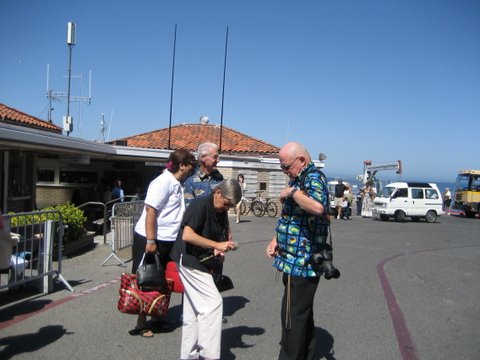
(400, 215)
(415, 219)
(384, 217)
(470, 214)
(431, 216)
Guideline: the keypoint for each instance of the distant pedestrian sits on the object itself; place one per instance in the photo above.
(349, 199)
(447, 198)
(243, 185)
(117, 191)
(359, 200)
(339, 197)
(369, 194)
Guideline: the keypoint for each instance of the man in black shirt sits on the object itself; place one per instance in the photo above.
(339, 196)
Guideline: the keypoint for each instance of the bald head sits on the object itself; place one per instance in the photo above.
(294, 149)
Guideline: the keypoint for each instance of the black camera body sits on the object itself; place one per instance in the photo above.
(322, 262)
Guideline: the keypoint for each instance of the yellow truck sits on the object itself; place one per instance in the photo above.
(467, 193)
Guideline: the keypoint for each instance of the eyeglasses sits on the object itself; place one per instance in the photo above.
(214, 157)
(287, 167)
(227, 202)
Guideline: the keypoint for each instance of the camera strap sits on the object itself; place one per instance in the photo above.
(326, 214)
(288, 317)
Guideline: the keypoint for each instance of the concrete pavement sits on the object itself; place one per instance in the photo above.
(407, 291)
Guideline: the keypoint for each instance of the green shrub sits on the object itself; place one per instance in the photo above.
(73, 219)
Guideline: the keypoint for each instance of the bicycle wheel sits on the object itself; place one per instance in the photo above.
(257, 208)
(243, 208)
(271, 209)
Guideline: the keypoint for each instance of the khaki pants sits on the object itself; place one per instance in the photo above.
(202, 315)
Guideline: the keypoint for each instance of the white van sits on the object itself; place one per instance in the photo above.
(402, 199)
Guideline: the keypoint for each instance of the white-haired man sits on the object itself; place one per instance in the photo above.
(206, 176)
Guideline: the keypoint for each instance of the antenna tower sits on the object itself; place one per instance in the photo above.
(57, 96)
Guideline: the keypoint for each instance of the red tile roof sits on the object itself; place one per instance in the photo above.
(13, 116)
(189, 136)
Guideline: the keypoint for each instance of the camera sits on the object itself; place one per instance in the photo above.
(322, 262)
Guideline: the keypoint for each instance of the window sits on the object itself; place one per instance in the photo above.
(78, 177)
(417, 193)
(475, 186)
(401, 193)
(431, 194)
(18, 176)
(46, 175)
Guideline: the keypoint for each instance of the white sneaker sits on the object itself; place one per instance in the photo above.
(338, 217)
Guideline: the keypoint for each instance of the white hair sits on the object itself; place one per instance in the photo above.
(205, 149)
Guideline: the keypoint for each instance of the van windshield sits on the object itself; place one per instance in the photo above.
(386, 192)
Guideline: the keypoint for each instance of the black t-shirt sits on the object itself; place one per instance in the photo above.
(339, 190)
(202, 217)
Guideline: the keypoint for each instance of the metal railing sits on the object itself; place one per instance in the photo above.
(124, 217)
(106, 207)
(40, 236)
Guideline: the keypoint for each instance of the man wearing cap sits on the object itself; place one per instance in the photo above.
(339, 196)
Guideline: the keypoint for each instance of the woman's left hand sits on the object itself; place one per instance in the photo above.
(151, 248)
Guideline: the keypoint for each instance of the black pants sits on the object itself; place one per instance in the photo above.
(138, 249)
(298, 329)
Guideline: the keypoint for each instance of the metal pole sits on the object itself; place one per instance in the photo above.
(223, 92)
(69, 79)
(171, 89)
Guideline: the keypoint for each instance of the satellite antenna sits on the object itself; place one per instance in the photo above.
(204, 120)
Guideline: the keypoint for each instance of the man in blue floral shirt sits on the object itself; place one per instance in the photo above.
(300, 232)
(206, 176)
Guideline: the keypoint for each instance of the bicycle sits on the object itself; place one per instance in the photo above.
(258, 206)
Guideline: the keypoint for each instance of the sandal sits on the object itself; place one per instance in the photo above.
(145, 332)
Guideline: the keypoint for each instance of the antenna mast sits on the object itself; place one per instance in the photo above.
(103, 127)
(54, 95)
(223, 92)
(171, 88)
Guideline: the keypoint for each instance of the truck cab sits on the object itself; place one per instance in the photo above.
(408, 199)
(467, 193)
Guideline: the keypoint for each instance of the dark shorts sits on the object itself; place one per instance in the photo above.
(138, 249)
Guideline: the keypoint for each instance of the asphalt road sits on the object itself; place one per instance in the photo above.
(407, 291)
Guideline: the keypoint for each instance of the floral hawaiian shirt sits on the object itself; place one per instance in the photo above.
(200, 184)
(301, 234)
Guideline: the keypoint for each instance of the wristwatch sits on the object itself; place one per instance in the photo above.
(151, 241)
(294, 190)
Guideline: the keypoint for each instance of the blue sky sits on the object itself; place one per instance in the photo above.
(357, 80)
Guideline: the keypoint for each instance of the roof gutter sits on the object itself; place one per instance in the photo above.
(23, 137)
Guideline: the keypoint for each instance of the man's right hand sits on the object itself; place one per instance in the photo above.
(272, 248)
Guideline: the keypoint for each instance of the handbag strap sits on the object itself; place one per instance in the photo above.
(157, 259)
